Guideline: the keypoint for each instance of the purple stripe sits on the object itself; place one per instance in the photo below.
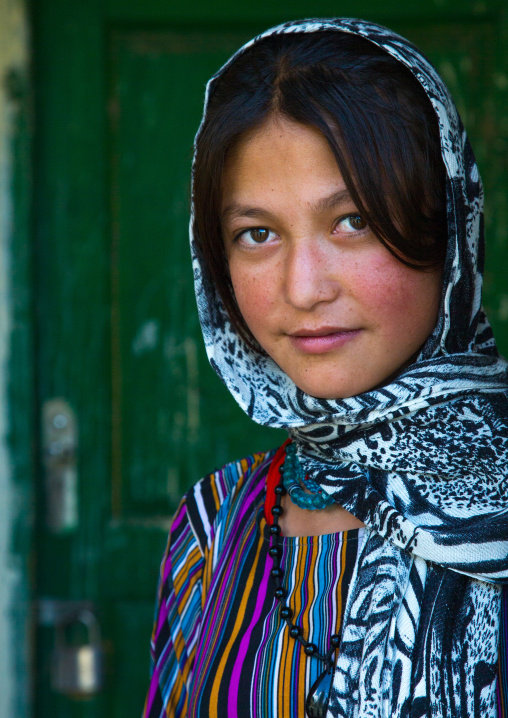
(206, 650)
(152, 691)
(235, 528)
(334, 558)
(161, 618)
(178, 518)
(167, 569)
(244, 644)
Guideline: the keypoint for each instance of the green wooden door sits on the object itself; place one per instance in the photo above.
(119, 89)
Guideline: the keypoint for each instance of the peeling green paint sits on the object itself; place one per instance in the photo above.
(16, 394)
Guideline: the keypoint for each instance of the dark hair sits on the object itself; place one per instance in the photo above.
(374, 114)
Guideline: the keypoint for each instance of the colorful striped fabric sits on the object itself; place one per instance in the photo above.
(219, 647)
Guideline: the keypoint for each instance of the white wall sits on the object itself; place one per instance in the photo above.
(14, 688)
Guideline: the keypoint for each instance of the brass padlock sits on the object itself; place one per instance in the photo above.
(78, 667)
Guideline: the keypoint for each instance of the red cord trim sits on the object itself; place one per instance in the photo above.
(272, 479)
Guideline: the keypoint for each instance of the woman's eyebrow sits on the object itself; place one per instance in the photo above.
(334, 200)
(233, 210)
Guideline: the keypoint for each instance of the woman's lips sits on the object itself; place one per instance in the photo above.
(322, 341)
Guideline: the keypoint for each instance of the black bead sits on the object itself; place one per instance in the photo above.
(280, 490)
(280, 593)
(275, 551)
(335, 640)
(295, 631)
(285, 613)
(277, 572)
(310, 649)
(316, 705)
(275, 530)
(277, 510)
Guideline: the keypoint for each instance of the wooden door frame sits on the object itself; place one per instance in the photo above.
(16, 364)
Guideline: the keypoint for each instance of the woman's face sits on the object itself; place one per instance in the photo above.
(324, 298)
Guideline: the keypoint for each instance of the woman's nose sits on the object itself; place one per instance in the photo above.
(310, 274)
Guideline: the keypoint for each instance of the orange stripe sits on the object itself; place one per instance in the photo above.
(214, 697)
(181, 577)
(289, 647)
(215, 493)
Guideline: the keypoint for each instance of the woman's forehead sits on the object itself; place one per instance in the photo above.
(282, 163)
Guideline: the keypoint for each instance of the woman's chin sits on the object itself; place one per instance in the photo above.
(337, 385)
(330, 390)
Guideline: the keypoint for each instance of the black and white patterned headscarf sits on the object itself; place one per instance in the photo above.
(423, 462)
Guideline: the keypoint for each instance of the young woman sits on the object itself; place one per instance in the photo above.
(337, 242)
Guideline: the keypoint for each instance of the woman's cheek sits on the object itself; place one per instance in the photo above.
(396, 296)
(252, 290)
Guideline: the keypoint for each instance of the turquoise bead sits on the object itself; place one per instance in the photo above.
(295, 480)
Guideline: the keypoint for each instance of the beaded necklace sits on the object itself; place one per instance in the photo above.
(316, 704)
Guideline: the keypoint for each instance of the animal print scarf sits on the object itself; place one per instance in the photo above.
(423, 462)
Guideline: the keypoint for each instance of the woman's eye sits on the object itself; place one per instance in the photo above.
(256, 235)
(352, 223)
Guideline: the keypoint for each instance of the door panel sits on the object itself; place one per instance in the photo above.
(119, 99)
(169, 412)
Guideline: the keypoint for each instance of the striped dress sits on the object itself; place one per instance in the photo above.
(219, 647)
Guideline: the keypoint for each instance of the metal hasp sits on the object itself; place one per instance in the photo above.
(77, 669)
(60, 448)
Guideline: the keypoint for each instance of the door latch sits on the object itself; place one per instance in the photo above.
(60, 445)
